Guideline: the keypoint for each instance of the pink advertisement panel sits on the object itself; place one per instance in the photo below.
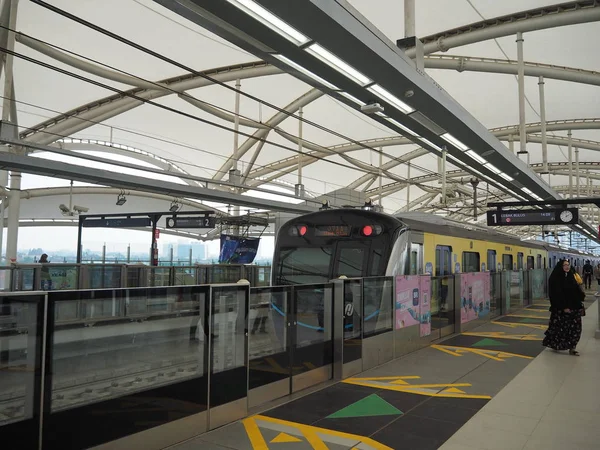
(425, 306)
(474, 296)
(407, 301)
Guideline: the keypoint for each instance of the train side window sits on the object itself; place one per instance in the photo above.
(443, 260)
(530, 263)
(519, 261)
(470, 261)
(507, 262)
(539, 262)
(491, 260)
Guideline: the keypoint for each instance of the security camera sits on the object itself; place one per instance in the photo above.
(81, 209)
(371, 108)
(64, 209)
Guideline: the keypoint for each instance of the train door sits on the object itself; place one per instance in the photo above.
(507, 262)
(443, 260)
(530, 263)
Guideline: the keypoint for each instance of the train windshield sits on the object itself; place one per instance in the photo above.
(305, 265)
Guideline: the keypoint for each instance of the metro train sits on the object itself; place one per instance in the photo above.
(320, 246)
(324, 245)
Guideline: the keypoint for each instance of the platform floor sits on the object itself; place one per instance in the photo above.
(495, 387)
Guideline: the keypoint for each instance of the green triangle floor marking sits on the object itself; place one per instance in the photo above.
(373, 405)
(489, 343)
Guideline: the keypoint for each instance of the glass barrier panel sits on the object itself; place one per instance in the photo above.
(313, 341)
(378, 297)
(223, 273)
(59, 276)
(268, 346)
(24, 279)
(112, 378)
(229, 324)
(159, 276)
(185, 276)
(20, 368)
(135, 276)
(263, 276)
(5, 277)
(104, 276)
(515, 278)
(495, 294)
(353, 314)
(538, 284)
(442, 302)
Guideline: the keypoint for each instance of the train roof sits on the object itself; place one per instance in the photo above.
(432, 223)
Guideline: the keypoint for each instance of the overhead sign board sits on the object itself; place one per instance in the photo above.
(561, 216)
(191, 222)
(126, 222)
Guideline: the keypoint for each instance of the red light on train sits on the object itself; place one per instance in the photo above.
(302, 229)
(367, 230)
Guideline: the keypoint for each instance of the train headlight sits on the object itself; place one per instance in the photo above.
(302, 229)
(298, 230)
(367, 230)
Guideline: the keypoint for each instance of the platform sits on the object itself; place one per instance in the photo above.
(492, 387)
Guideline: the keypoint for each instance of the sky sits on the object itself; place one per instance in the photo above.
(201, 148)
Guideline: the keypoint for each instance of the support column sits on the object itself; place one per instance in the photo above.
(9, 115)
(236, 124)
(409, 18)
(569, 136)
(521, 82)
(543, 119)
(474, 183)
(511, 143)
(381, 177)
(577, 171)
(444, 176)
(408, 186)
(299, 188)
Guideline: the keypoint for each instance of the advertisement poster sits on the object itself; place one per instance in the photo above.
(425, 306)
(407, 301)
(238, 249)
(474, 295)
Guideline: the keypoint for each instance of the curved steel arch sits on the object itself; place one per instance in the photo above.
(532, 20)
(97, 111)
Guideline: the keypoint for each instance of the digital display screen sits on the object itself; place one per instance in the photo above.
(333, 230)
(533, 217)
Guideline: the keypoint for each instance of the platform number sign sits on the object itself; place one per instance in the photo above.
(562, 216)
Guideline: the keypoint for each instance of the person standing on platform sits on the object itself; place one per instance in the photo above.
(46, 279)
(588, 271)
(566, 308)
(597, 277)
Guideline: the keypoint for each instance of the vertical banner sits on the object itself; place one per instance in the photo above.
(474, 295)
(425, 305)
(407, 301)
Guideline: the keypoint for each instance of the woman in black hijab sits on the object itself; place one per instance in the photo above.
(566, 304)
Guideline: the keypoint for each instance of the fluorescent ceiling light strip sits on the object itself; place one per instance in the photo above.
(352, 98)
(505, 176)
(476, 157)
(324, 55)
(402, 127)
(452, 140)
(431, 144)
(527, 190)
(390, 98)
(270, 20)
(492, 168)
(306, 72)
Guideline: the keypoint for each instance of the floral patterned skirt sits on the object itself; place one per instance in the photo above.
(564, 330)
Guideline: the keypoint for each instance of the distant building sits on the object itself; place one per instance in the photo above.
(199, 251)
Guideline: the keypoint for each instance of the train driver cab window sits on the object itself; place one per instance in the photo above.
(539, 262)
(507, 262)
(374, 269)
(470, 262)
(530, 263)
(519, 261)
(491, 260)
(443, 260)
(351, 262)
